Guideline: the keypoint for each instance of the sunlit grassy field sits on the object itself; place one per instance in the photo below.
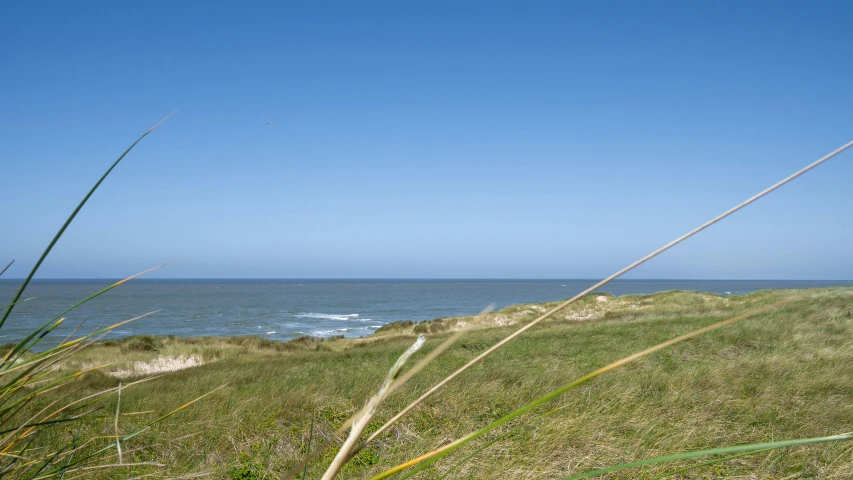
(780, 375)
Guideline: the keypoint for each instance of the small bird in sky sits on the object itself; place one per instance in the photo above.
(270, 123)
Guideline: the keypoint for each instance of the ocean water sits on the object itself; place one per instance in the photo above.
(285, 309)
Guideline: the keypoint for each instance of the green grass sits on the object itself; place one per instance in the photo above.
(778, 376)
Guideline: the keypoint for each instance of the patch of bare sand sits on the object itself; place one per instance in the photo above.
(159, 365)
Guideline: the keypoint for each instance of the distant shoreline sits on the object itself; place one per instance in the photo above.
(282, 310)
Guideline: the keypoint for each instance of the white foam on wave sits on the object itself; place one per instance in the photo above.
(338, 331)
(327, 316)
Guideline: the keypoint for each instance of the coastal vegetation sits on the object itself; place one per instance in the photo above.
(778, 375)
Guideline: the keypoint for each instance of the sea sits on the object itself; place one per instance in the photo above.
(285, 309)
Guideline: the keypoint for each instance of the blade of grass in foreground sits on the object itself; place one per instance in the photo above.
(33, 362)
(369, 410)
(607, 280)
(73, 447)
(440, 452)
(87, 399)
(10, 410)
(716, 451)
(6, 267)
(25, 344)
(55, 383)
(13, 304)
(48, 422)
(418, 367)
(709, 462)
(70, 218)
(125, 438)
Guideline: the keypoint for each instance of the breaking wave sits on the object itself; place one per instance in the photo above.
(328, 316)
(339, 331)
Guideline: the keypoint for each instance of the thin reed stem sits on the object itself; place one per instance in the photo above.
(369, 410)
(118, 406)
(753, 448)
(71, 218)
(607, 280)
(7, 267)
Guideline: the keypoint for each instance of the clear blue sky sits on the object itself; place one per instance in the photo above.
(427, 139)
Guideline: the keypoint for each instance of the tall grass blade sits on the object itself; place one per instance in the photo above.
(36, 360)
(705, 464)
(83, 400)
(4, 307)
(6, 267)
(104, 330)
(71, 218)
(12, 409)
(30, 340)
(12, 434)
(48, 422)
(57, 455)
(420, 365)
(23, 345)
(619, 273)
(118, 407)
(753, 448)
(369, 410)
(442, 451)
(71, 455)
(98, 394)
(134, 434)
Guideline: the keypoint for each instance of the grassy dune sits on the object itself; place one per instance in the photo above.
(784, 374)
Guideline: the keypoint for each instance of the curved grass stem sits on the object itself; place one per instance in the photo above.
(70, 219)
